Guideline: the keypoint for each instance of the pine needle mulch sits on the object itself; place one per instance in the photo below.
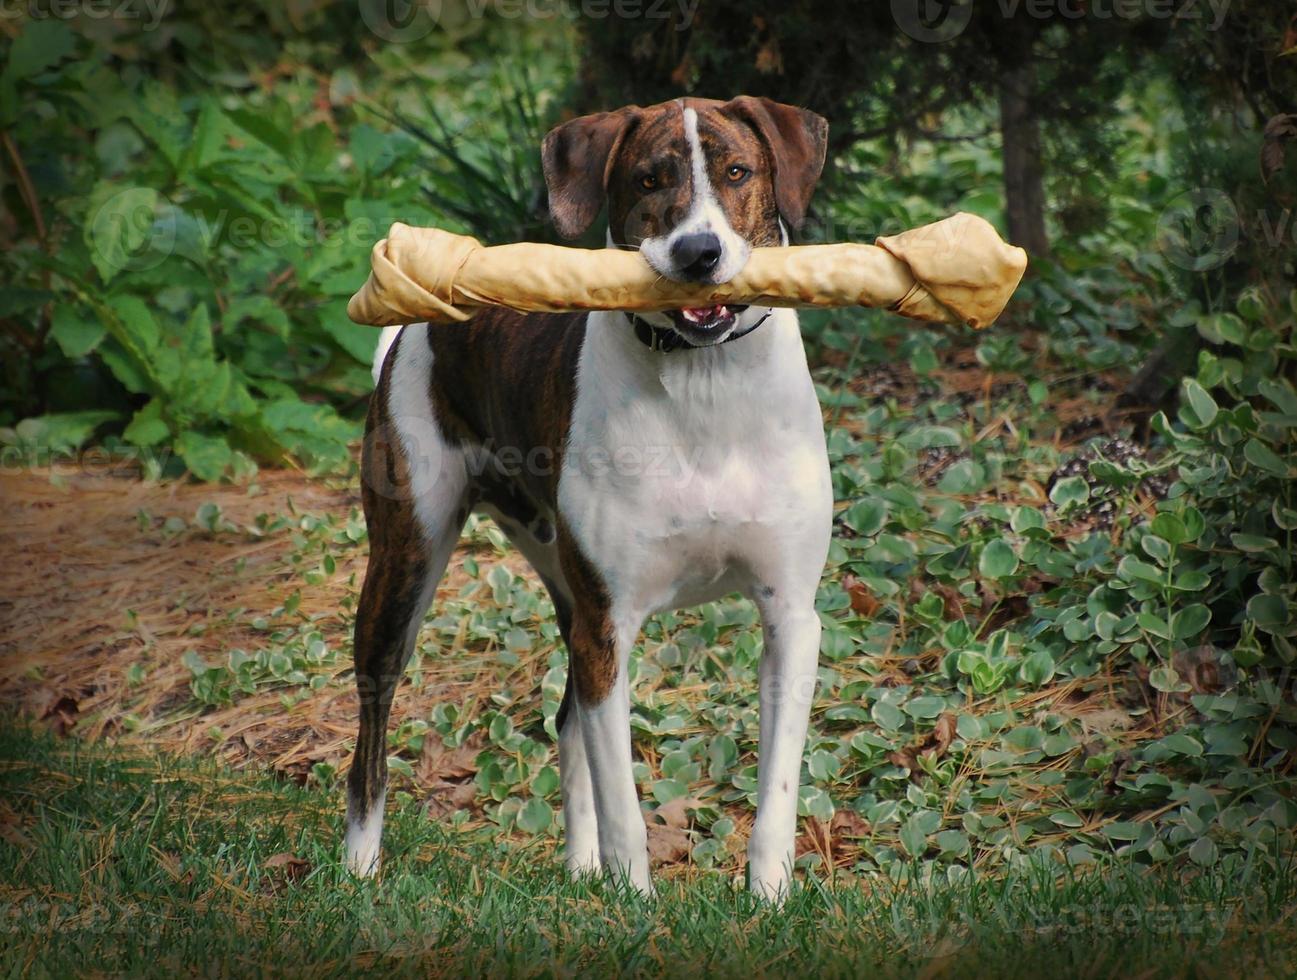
(100, 599)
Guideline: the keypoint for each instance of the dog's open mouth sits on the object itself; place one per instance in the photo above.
(716, 317)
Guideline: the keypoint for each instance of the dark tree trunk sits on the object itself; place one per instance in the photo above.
(1024, 186)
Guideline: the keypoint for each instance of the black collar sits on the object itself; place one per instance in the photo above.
(664, 339)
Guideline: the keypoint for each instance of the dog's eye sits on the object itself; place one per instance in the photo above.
(648, 182)
(736, 173)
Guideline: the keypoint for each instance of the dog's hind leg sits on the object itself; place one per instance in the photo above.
(532, 533)
(580, 827)
(415, 505)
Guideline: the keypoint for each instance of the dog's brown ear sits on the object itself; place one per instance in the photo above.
(796, 140)
(577, 158)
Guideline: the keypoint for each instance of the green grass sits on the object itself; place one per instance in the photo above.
(124, 864)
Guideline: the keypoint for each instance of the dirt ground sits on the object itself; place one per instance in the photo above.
(100, 599)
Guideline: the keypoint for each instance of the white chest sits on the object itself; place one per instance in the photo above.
(685, 471)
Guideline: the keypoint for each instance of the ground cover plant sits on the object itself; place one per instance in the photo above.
(1056, 708)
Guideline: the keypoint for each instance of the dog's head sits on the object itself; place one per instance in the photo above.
(694, 184)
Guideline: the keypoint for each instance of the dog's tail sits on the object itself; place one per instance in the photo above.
(385, 341)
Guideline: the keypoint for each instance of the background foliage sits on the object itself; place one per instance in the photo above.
(1089, 509)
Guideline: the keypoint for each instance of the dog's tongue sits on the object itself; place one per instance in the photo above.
(703, 314)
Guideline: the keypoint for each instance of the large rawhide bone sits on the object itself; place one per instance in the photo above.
(956, 270)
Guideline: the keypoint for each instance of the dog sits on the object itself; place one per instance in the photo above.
(639, 462)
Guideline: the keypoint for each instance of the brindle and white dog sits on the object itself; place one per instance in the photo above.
(639, 463)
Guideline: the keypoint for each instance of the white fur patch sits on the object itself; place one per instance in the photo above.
(385, 341)
(364, 834)
(437, 475)
(705, 214)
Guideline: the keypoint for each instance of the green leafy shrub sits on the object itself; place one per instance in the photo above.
(188, 257)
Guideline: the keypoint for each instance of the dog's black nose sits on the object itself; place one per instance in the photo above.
(695, 255)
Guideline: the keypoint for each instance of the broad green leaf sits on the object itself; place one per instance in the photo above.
(40, 44)
(1132, 569)
(1105, 624)
(1203, 852)
(1169, 528)
(823, 766)
(1201, 403)
(1183, 744)
(866, 516)
(887, 715)
(1253, 543)
(1156, 548)
(400, 766)
(208, 457)
(1192, 581)
(62, 430)
(998, 559)
(1123, 830)
(147, 428)
(1025, 738)
(1190, 621)
(1269, 613)
(814, 802)
(76, 333)
(1263, 457)
(1154, 624)
(930, 437)
(1166, 679)
(952, 841)
(964, 477)
(925, 708)
(1069, 491)
(1222, 328)
(1037, 667)
(118, 223)
(913, 836)
(1026, 519)
(535, 816)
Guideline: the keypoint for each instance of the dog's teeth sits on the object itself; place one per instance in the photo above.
(703, 314)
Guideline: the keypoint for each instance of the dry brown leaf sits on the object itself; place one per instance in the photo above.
(668, 845)
(436, 762)
(906, 759)
(446, 797)
(848, 825)
(1105, 720)
(62, 715)
(942, 735)
(294, 868)
(862, 600)
(675, 812)
(770, 60)
(1288, 46)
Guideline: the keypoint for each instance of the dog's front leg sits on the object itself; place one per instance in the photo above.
(603, 701)
(791, 628)
(599, 658)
